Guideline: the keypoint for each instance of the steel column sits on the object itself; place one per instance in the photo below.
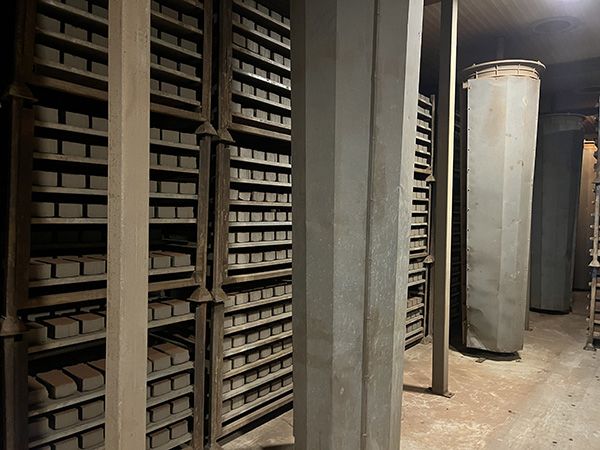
(354, 93)
(128, 187)
(444, 169)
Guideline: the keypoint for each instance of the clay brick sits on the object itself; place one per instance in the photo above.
(66, 444)
(160, 311)
(89, 266)
(39, 270)
(160, 412)
(90, 410)
(177, 259)
(180, 381)
(166, 212)
(43, 178)
(160, 387)
(92, 438)
(187, 188)
(160, 261)
(99, 364)
(97, 211)
(159, 437)
(73, 148)
(63, 419)
(178, 354)
(178, 429)
(168, 187)
(98, 152)
(36, 334)
(45, 145)
(188, 162)
(72, 180)
(38, 427)
(185, 212)
(89, 322)
(166, 159)
(61, 327)
(86, 377)
(97, 182)
(180, 404)
(37, 392)
(159, 360)
(70, 210)
(178, 307)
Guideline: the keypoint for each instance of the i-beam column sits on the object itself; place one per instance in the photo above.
(128, 187)
(355, 82)
(443, 197)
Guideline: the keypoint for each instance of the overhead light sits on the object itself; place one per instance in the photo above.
(554, 25)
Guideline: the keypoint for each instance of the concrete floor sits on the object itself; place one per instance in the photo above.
(549, 398)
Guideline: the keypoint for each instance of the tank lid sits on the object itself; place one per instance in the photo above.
(505, 68)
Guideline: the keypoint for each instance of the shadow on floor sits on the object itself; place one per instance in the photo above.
(417, 389)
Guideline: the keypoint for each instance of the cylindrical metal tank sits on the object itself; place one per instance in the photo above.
(554, 213)
(501, 111)
(583, 231)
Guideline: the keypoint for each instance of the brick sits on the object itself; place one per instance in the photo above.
(159, 360)
(45, 145)
(36, 334)
(43, 178)
(98, 152)
(73, 148)
(90, 410)
(188, 138)
(178, 429)
(166, 212)
(39, 270)
(168, 187)
(63, 419)
(178, 307)
(187, 188)
(180, 381)
(97, 182)
(99, 364)
(70, 210)
(66, 444)
(72, 180)
(61, 327)
(180, 404)
(100, 123)
(89, 266)
(178, 354)
(160, 261)
(159, 310)
(167, 160)
(37, 392)
(89, 322)
(97, 211)
(178, 259)
(38, 427)
(160, 412)
(159, 437)
(92, 438)
(86, 377)
(160, 387)
(188, 162)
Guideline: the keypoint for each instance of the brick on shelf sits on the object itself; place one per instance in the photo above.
(159, 260)
(89, 265)
(160, 387)
(179, 404)
(178, 354)
(178, 307)
(38, 427)
(72, 180)
(180, 381)
(44, 178)
(70, 443)
(86, 377)
(159, 310)
(178, 429)
(61, 327)
(39, 270)
(158, 359)
(73, 148)
(92, 438)
(37, 392)
(70, 210)
(89, 322)
(97, 211)
(157, 438)
(160, 412)
(63, 418)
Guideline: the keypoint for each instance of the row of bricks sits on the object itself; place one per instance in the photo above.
(260, 196)
(42, 426)
(92, 211)
(255, 355)
(259, 155)
(416, 277)
(250, 376)
(420, 219)
(85, 440)
(259, 71)
(418, 231)
(241, 298)
(421, 195)
(260, 216)
(414, 326)
(249, 397)
(254, 47)
(164, 159)
(259, 175)
(413, 301)
(162, 436)
(261, 114)
(255, 335)
(246, 88)
(422, 160)
(418, 243)
(260, 236)
(80, 120)
(413, 314)
(419, 207)
(72, 266)
(68, 148)
(263, 9)
(67, 324)
(422, 135)
(241, 318)
(416, 265)
(173, 187)
(257, 257)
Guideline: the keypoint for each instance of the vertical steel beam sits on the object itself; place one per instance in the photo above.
(355, 83)
(443, 196)
(128, 188)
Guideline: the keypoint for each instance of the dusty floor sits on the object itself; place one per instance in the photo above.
(550, 398)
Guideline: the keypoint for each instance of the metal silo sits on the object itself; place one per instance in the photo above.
(555, 203)
(501, 106)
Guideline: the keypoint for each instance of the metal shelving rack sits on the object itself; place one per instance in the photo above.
(252, 336)
(420, 239)
(59, 151)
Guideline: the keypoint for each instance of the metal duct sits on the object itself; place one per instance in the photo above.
(583, 232)
(555, 202)
(502, 99)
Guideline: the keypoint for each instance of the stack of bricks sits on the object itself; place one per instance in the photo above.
(420, 235)
(254, 173)
(66, 405)
(66, 307)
